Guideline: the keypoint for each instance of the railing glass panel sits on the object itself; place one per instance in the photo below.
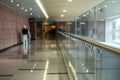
(89, 61)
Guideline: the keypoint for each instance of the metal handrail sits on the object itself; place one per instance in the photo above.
(93, 42)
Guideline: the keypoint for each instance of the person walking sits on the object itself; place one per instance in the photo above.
(25, 35)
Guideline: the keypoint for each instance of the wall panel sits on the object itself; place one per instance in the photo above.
(11, 24)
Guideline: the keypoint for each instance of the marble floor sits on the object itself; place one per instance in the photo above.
(39, 61)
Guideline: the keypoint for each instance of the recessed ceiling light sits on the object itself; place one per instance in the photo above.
(25, 10)
(87, 70)
(70, 0)
(84, 15)
(18, 5)
(64, 10)
(31, 9)
(62, 15)
(11, 1)
(113, 1)
(31, 71)
(87, 13)
(22, 8)
(30, 13)
(99, 8)
(105, 6)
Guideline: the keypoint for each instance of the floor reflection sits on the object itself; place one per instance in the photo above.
(29, 62)
(26, 51)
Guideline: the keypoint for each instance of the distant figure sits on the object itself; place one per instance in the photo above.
(25, 35)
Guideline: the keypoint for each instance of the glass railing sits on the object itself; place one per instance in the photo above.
(88, 59)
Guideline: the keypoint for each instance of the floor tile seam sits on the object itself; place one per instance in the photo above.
(30, 69)
(56, 73)
(6, 75)
(86, 73)
(37, 61)
(108, 68)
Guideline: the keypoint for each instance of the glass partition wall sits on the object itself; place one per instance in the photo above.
(102, 25)
(99, 22)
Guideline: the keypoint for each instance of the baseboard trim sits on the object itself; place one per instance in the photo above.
(2, 50)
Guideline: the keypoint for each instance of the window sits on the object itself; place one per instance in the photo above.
(116, 31)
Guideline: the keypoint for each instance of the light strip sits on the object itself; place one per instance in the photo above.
(46, 69)
(41, 7)
(73, 70)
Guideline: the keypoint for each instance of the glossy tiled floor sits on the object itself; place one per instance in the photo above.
(39, 61)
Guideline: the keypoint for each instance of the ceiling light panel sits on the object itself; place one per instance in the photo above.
(42, 8)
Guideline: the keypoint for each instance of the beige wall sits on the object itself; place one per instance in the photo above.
(11, 23)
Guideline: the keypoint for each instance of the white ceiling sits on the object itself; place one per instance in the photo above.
(54, 8)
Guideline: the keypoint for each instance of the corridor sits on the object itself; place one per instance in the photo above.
(39, 61)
